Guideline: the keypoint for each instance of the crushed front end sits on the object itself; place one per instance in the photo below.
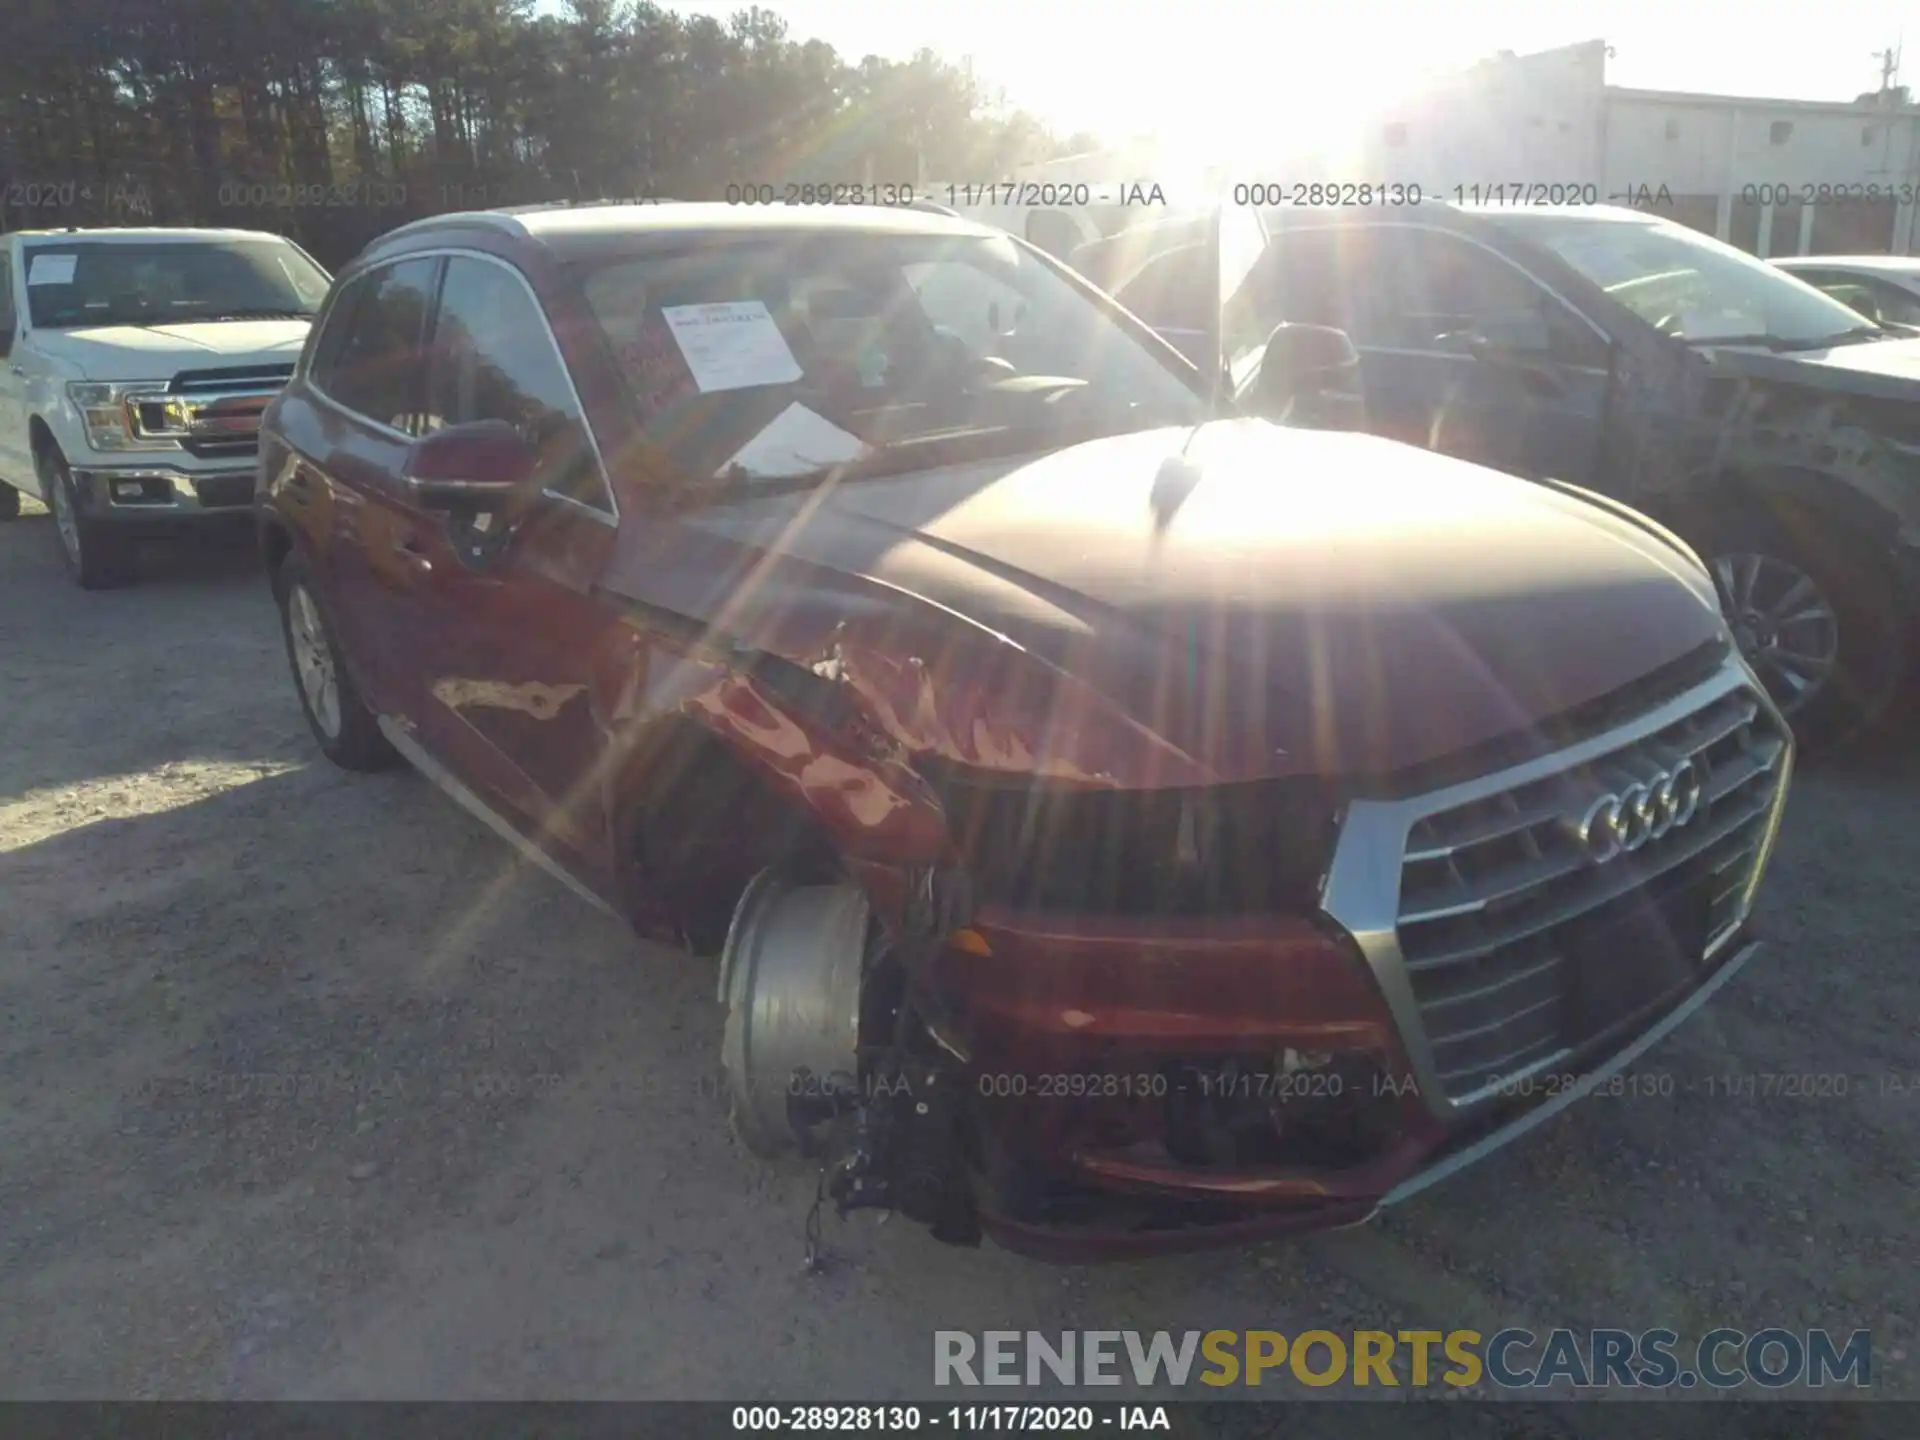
(1168, 1019)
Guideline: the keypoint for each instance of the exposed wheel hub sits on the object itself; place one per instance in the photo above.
(790, 977)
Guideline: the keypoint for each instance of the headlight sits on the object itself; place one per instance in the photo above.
(107, 409)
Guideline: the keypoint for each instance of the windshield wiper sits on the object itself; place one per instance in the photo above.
(1781, 345)
(1775, 343)
(1853, 336)
(258, 312)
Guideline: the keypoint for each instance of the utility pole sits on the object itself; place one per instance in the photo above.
(1889, 66)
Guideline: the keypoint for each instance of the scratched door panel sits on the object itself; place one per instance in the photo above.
(511, 649)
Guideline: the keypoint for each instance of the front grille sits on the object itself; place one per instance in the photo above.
(1520, 946)
(212, 414)
(235, 377)
(227, 447)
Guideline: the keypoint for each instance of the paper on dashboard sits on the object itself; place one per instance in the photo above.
(796, 442)
(731, 345)
(51, 270)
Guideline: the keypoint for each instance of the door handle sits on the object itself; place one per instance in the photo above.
(412, 556)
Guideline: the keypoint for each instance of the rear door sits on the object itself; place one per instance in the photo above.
(350, 445)
(1461, 350)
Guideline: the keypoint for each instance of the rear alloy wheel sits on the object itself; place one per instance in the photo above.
(1827, 636)
(97, 556)
(346, 730)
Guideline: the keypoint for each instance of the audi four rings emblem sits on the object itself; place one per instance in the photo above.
(1617, 824)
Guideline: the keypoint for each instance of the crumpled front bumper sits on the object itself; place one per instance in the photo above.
(1472, 970)
(1249, 1206)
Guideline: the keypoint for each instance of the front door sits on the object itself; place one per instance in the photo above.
(509, 625)
(1461, 350)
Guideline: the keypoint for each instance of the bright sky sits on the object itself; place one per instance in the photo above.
(1196, 71)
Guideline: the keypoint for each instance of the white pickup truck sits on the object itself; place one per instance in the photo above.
(134, 365)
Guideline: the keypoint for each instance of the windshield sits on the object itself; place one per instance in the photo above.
(169, 282)
(768, 361)
(1691, 286)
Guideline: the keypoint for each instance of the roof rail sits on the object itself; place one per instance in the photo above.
(540, 205)
(491, 219)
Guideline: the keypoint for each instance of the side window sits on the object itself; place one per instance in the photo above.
(1173, 290)
(1247, 311)
(493, 358)
(1820, 279)
(1893, 304)
(1053, 231)
(1311, 272)
(8, 320)
(1436, 292)
(962, 301)
(376, 370)
(331, 332)
(1854, 294)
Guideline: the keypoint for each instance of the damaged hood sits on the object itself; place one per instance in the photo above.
(1278, 601)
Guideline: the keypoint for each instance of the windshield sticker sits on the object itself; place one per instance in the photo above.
(732, 345)
(797, 442)
(51, 269)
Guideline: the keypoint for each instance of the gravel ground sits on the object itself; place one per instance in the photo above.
(308, 1088)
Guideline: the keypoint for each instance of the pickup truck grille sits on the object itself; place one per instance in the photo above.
(212, 414)
(1524, 936)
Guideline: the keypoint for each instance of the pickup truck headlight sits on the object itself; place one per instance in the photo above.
(106, 410)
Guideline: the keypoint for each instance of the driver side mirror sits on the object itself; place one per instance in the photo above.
(1303, 363)
(483, 466)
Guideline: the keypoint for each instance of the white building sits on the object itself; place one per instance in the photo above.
(1783, 177)
(1777, 177)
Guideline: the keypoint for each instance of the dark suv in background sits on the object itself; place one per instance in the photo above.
(1771, 427)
